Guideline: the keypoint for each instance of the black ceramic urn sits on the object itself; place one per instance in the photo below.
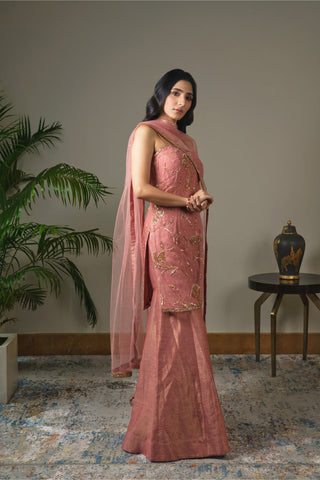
(289, 249)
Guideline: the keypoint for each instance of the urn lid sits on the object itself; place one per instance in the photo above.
(289, 229)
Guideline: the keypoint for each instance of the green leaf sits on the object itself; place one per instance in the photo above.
(84, 186)
(66, 266)
(27, 296)
(73, 242)
(4, 320)
(33, 256)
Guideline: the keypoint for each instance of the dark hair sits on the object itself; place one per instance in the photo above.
(162, 89)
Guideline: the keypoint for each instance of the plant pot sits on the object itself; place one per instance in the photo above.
(8, 365)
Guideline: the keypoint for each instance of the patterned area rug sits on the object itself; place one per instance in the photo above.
(68, 418)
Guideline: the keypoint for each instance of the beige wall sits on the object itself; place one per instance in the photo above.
(92, 65)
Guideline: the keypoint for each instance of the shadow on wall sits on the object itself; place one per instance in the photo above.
(261, 259)
(238, 304)
(238, 301)
(312, 261)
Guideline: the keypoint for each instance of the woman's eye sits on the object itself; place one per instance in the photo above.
(174, 93)
(189, 99)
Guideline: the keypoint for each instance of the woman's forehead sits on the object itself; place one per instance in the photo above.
(183, 86)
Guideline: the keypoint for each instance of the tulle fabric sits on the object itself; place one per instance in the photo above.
(128, 316)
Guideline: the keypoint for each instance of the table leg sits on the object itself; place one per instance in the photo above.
(257, 310)
(274, 312)
(305, 302)
(315, 299)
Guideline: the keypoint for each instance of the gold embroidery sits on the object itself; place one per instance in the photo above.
(195, 291)
(161, 263)
(196, 239)
(185, 161)
(184, 309)
(175, 238)
(161, 148)
(159, 259)
(157, 214)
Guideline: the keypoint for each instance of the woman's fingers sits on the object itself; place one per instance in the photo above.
(201, 196)
(199, 201)
(195, 203)
(207, 197)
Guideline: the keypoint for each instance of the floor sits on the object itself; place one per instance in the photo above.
(69, 416)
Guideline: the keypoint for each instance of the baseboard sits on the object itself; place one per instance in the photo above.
(99, 343)
(287, 343)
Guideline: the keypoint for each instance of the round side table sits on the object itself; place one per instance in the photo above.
(269, 283)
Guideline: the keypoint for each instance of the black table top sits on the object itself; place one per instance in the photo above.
(270, 282)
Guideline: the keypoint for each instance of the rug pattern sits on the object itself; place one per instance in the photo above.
(68, 418)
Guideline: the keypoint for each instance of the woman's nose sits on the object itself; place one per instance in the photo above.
(182, 100)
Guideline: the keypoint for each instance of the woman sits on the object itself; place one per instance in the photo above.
(160, 262)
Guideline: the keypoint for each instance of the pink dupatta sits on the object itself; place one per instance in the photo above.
(128, 319)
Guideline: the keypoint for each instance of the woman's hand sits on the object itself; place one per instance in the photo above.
(199, 201)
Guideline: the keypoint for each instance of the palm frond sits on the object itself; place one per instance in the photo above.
(69, 184)
(67, 267)
(18, 243)
(30, 229)
(32, 255)
(3, 198)
(42, 274)
(15, 178)
(11, 184)
(50, 241)
(46, 135)
(73, 242)
(30, 297)
(18, 139)
(22, 140)
(8, 123)
(4, 320)
(5, 108)
(29, 233)
(27, 296)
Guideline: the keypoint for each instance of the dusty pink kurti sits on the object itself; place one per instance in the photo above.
(176, 412)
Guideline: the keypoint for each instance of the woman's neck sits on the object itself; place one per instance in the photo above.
(169, 121)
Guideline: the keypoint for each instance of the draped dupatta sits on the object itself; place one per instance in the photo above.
(128, 319)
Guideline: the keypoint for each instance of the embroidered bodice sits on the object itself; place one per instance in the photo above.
(173, 235)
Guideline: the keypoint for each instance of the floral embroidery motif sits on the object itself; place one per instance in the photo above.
(175, 236)
(196, 239)
(195, 291)
(157, 214)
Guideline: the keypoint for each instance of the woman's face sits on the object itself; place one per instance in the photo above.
(178, 102)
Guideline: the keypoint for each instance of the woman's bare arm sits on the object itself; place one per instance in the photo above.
(143, 148)
(141, 156)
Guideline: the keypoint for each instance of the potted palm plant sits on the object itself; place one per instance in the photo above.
(35, 257)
